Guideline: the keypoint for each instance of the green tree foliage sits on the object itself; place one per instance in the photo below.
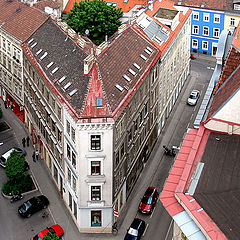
(15, 166)
(96, 16)
(51, 236)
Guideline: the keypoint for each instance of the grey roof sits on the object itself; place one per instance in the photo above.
(154, 30)
(63, 63)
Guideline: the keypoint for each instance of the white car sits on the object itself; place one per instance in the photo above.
(193, 98)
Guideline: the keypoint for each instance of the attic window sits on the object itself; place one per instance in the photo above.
(43, 56)
(39, 51)
(62, 79)
(30, 40)
(132, 72)
(50, 64)
(143, 57)
(54, 70)
(119, 87)
(127, 78)
(67, 85)
(136, 66)
(99, 101)
(34, 45)
(73, 92)
(149, 49)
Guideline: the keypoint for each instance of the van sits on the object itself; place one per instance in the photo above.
(6, 155)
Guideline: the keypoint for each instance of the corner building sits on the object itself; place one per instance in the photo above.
(96, 111)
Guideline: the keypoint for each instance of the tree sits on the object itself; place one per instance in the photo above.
(51, 236)
(15, 166)
(96, 16)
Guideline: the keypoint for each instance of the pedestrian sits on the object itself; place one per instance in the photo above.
(5, 104)
(28, 140)
(33, 156)
(24, 142)
(36, 155)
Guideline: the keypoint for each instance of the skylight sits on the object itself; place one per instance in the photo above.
(50, 64)
(62, 79)
(119, 87)
(136, 66)
(132, 72)
(54, 70)
(39, 51)
(126, 77)
(43, 56)
(143, 57)
(34, 45)
(73, 92)
(67, 85)
(30, 40)
(147, 51)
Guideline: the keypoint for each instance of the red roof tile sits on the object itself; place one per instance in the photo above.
(19, 19)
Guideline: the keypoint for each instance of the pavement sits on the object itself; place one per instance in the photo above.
(58, 210)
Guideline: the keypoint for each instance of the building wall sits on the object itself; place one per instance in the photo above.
(206, 29)
(231, 21)
(11, 73)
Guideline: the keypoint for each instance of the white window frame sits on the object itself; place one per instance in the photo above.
(232, 21)
(206, 17)
(216, 16)
(4, 43)
(90, 165)
(216, 30)
(205, 28)
(196, 14)
(90, 191)
(101, 142)
(193, 46)
(195, 27)
(204, 42)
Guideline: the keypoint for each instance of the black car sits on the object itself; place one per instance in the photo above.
(33, 205)
(136, 230)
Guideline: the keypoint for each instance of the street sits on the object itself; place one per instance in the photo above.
(159, 224)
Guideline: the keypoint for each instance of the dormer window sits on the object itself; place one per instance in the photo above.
(99, 101)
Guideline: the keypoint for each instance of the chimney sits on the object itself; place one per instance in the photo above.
(88, 62)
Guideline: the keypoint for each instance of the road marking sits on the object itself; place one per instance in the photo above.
(152, 212)
(145, 230)
(170, 225)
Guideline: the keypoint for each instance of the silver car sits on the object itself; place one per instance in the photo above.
(193, 98)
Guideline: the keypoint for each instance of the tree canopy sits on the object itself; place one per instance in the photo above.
(15, 166)
(51, 236)
(99, 18)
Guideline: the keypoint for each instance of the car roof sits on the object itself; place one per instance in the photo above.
(149, 191)
(194, 91)
(136, 223)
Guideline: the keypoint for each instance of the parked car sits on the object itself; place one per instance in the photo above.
(33, 205)
(53, 229)
(193, 98)
(148, 201)
(6, 155)
(136, 230)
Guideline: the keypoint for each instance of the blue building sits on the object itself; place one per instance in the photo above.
(206, 28)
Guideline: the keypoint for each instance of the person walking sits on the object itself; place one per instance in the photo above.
(28, 140)
(37, 155)
(5, 104)
(24, 142)
(34, 156)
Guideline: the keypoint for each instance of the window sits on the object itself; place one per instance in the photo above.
(69, 176)
(195, 29)
(95, 168)
(68, 127)
(73, 134)
(68, 152)
(194, 43)
(74, 184)
(8, 47)
(53, 103)
(206, 31)
(75, 209)
(232, 21)
(195, 16)
(117, 158)
(96, 218)
(55, 173)
(216, 18)
(206, 17)
(99, 101)
(4, 43)
(70, 200)
(216, 32)
(16, 53)
(73, 159)
(59, 114)
(204, 45)
(95, 193)
(95, 142)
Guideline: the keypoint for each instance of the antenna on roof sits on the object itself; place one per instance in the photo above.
(66, 38)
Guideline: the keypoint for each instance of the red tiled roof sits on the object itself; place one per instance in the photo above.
(126, 7)
(47, 3)
(19, 19)
(236, 39)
